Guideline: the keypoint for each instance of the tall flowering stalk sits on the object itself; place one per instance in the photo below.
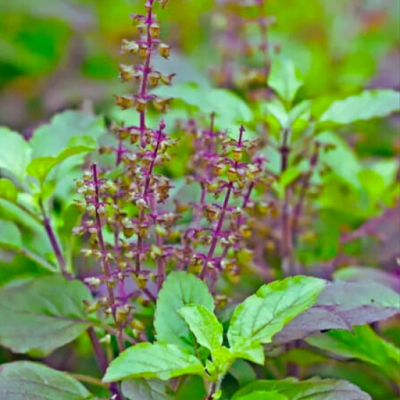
(240, 55)
(124, 206)
(215, 242)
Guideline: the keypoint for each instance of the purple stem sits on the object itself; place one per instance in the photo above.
(98, 350)
(54, 243)
(220, 222)
(104, 261)
(146, 71)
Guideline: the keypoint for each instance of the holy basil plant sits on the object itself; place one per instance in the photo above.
(191, 340)
(229, 233)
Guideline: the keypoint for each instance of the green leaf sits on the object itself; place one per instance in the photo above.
(389, 279)
(312, 389)
(243, 372)
(67, 125)
(10, 236)
(179, 289)
(368, 104)
(285, 78)
(8, 190)
(24, 380)
(159, 360)
(145, 389)
(347, 170)
(18, 154)
(41, 166)
(304, 357)
(204, 325)
(263, 395)
(249, 350)
(192, 388)
(43, 314)
(341, 306)
(265, 313)
(364, 344)
(222, 360)
(228, 106)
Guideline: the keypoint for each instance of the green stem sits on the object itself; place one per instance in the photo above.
(88, 379)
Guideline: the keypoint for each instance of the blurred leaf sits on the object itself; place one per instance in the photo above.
(192, 388)
(204, 325)
(8, 190)
(343, 305)
(68, 125)
(312, 389)
(145, 389)
(157, 360)
(367, 105)
(18, 153)
(179, 289)
(385, 278)
(242, 371)
(265, 313)
(304, 357)
(41, 166)
(387, 169)
(43, 314)
(285, 78)
(19, 268)
(23, 380)
(10, 236)
(363, 343)
(228, 106)
(263, 395)
(68, 11)
(335, 157)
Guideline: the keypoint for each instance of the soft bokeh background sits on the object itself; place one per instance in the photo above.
(56, 54)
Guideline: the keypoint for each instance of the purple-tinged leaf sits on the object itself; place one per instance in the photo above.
(385, 278)
(342, 305)
(312, 389)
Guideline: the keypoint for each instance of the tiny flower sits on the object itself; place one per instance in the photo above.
(154, 30)
(124, 102)
(164, 50)
(129, 46)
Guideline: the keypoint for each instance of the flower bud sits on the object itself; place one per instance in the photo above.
(87, 252)
(245, 231)
(164, 50)
(124, 102)
(127, 72)
(154, 30)
(211, 212)
(143, 50)
(167, 79)
(129, 46)
(122, 312)
(93, 282)
(140, 105)
(237, 153)
(154, 77)
(233, 175)
(141, 281)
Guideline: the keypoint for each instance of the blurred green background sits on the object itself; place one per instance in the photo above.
(55, 54)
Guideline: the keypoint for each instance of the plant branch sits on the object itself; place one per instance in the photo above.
(53, 241)
(104, 260)
(287, 226)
